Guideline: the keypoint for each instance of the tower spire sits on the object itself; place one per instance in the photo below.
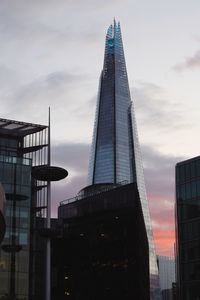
(114, 22)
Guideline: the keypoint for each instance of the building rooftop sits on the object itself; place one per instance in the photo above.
(93, 190)
(121, 197)
(19, 129)
(188, 160)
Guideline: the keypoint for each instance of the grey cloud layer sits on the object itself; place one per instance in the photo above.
(153, 109)
(46, 17)
(73, 156)
(53, 89)
(159, 172)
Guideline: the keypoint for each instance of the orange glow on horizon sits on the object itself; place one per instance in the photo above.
(164, 242)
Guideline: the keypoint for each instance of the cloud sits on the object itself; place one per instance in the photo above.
(192, 62)
(51, 18)
(164, 242)
(73, 156)
(44, 58)
(41, 36)
(153, 107)
(67, 93)
(8, 79)
(54, 89)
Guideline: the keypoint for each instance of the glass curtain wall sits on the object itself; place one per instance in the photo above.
(22, 146)
(15, 175)
(188, 225)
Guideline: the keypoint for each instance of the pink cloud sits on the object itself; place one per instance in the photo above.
(189, 63)
(164, 241)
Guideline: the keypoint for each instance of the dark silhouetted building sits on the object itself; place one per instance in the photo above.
(101, 249)
(188, 228)
(167, 294)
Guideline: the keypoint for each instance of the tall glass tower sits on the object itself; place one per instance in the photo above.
(115, 153)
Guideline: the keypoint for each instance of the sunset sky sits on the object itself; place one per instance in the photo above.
(52, 55)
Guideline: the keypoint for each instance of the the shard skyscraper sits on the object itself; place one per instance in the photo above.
(115, 154)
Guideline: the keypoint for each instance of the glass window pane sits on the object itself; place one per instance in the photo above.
(188, 191)
(193, 185)
(182, 173)
(187, 172)
(198, 188)
(192, 168)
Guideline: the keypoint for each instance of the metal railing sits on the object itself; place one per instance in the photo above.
(94, 192)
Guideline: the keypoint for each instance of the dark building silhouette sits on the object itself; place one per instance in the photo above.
(101, 249)
(167, 294)
(188, 228)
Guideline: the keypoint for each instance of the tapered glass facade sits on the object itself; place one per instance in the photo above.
(115, 153)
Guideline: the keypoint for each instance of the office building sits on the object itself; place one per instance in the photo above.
(100, 246)
(115, 153)
(166, 266)
(23, 146)
(188, 228)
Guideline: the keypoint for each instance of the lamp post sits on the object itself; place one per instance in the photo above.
(48, 173)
